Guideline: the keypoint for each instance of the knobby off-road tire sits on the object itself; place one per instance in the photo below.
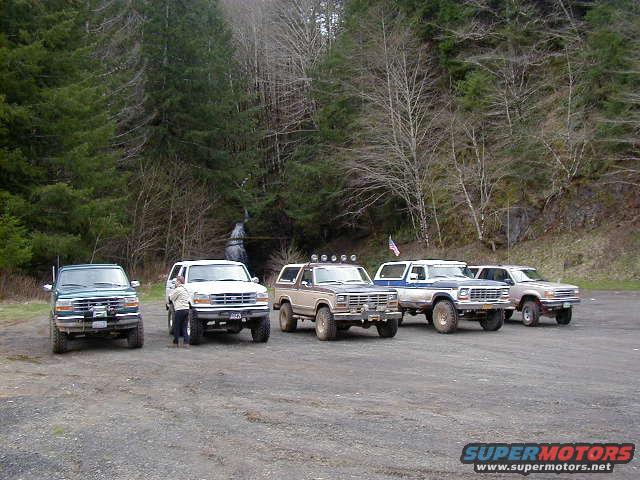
(530, 313)
(508, 314)
(326, 328)
(287, 322)
(388, 329)
(563, 317)
(135, 336)
(493, 322)
(445, 317)
(171, 313)
(196, 329)
(261, 331)
(59, 340)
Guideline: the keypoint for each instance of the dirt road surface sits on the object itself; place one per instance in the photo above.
(296, 408)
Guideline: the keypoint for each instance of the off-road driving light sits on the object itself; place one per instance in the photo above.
(64, 306)
(334, 258)
(549, 294)
(343, 258)
(201, 298)
(323, 258)
(314, 258)
(131, 302)
(353, 258)
(463, 294)
(262, 296)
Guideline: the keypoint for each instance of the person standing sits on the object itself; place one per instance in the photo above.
(180, 299)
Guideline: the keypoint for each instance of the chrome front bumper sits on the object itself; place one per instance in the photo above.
(557, 303)
(224, 313)
(368, 316)
(500, 305)
(82, 324)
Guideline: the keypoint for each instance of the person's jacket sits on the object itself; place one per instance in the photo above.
(180, 298)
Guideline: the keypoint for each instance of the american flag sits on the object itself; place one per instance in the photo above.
(393, 247)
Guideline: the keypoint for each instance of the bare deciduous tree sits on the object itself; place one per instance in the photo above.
(401, 127)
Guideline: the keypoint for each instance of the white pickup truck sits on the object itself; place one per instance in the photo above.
(223, 297)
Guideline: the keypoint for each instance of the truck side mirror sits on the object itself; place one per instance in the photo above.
(135, 283)
(508, 281)
(255, 280)
(304, 283)
(413, 276)
(47, 288)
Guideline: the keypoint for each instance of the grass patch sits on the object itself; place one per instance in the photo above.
(152, 293)
(23, 311)
(626, 285)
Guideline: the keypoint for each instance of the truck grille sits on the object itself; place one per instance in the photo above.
(233, 298)
(564, 293)
(372, 301)
(85, 304)
(485, 294)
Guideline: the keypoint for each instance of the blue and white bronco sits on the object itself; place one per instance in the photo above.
(446, 292)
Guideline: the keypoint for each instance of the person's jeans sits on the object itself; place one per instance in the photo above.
(180, 321)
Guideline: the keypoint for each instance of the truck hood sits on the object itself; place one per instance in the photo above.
(95, 292)
(455, 282)
(549, 285)
(224, 287)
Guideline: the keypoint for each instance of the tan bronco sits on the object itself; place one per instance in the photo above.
(531, 294)
(336, 295)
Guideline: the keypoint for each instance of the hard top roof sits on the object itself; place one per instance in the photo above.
(188, 263)
(90, 265)
(430, 262)
(522, 267)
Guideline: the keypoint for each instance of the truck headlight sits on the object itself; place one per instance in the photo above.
(64, 306)
(463, 294)
(341, 299)
(131, 302)
(262, 297)
(505, 292)
(549, 294)
(201, 298)
(576, 292)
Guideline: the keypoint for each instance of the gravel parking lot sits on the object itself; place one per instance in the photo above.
(359, 407)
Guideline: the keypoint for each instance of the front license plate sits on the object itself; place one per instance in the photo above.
(374, 318)
(99, 324)
(566, 305)
(487, 306)
(235, 316)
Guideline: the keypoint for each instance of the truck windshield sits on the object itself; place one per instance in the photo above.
(92, 277)
(527, 275)
(218, 273)
(331, 274)
(446, 271)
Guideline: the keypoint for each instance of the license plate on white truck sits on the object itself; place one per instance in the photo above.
(235, 316)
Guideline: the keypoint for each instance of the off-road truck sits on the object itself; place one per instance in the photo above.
(336, 295)
(533, 295)
(224, 297)
(446, 292)
(93, 300)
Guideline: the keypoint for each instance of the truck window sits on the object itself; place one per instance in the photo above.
(174, 272)
(486, 274)
(289, 274)
(393, 270)
(307, 276)
(420, 271)
(500, 274)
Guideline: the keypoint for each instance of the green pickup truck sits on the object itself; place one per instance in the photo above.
(94, 300)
